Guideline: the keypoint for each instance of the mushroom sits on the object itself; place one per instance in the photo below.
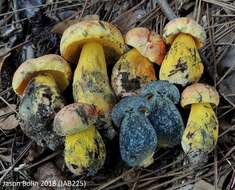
(40, 83)
(182, 65)
(164, 115)
(134, 68)
(84, 151)
(137, 138)
(148, 43)
(129, 104)
(201, 133)
(95, 40)
(74, 118)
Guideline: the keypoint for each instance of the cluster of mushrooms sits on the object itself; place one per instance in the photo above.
(143, 109)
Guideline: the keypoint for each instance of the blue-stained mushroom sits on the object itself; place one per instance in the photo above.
(137, 137)
(164, 115)
(130, 104)
(138, 140)
(160, 87)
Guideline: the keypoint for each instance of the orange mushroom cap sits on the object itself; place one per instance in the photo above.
(148, 43)
(199, 93)
(74, 118)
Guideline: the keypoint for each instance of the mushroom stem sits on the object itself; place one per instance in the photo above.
(182, 64)
(85, 151)
(41, 100)
(201, 133)
(91, 82)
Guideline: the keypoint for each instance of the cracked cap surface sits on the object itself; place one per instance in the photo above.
(187, 26)
(148, 43)
(199, 93)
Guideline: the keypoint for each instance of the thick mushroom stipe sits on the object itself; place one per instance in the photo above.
(164, 115)
(167, 122)
(91, 82)
(182, 65)
(41, 100)
(138, 140)
(84, 152)
(201, 133)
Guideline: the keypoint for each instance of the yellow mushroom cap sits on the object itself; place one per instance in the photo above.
(52, 64)
(148, 43)
(74, 118)
(87, 31)
(184, 25)
(199, 93)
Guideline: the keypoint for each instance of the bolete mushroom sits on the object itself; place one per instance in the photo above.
(164, 115)
(148, 43)
(40, 83)
(201, 133)
(182, 65)
(134, 68)
(129, 104)
(84, 151)
(95, 40)
(137, 138)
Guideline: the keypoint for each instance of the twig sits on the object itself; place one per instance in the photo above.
(211, 38)
(83, 9)
(17, 160)
(9, 105)
(167, 11)
(215, 168)
(127, 12)
(225, 74)
(113, 180)
(227, 130)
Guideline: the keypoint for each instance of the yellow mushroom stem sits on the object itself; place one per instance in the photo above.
(45, 79)
(182, 64)
(40, 96)
(84, 151)
(201, 134)
(91, 82)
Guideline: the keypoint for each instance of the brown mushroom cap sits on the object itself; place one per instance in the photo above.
(199, 93)
(87, 31)
(52, 64)
(74, 118)
(184, 25)
(148, 43)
